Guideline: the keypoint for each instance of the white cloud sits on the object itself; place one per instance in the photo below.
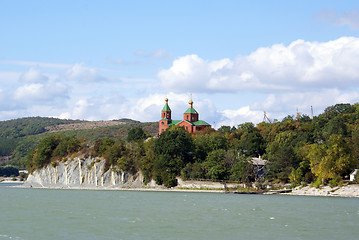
(41, 93)
(332, 17)
(238, 116)
(80, 72)
(33, 75)
(299, 66)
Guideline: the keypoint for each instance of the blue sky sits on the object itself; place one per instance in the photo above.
(103, 60)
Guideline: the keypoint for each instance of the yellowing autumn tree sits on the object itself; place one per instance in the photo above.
(329, 160)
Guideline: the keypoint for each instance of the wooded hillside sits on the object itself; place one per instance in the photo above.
(20, 136)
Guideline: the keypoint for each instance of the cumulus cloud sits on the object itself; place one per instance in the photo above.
(332, 17)
(80, 72)
(42, 93)
(237, 116)
(301, 65)
(33, 75)
(190, 73)
(34, 88)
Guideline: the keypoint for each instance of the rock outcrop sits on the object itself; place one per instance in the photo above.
(84, 173)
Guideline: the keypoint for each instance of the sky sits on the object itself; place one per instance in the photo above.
(105, 60)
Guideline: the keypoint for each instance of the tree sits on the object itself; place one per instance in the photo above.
(66, 146)
(172, 152)
(242, 170)
(329, 160)
(102, 145)
(336, 125)
(342, 108)
(251, 141)
(354, 147)
(215, 166)
(281, 155)
(8, 171)
(136, 134)
(174, 142)
(226, 129)
(147, 160)
(45, 150)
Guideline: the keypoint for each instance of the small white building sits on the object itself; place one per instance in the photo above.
(352, 175)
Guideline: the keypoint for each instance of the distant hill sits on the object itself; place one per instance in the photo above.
(29, 126)
(20, 136)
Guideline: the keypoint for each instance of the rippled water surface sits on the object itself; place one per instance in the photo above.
(90, 214)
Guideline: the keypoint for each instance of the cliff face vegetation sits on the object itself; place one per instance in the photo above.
(299, 149)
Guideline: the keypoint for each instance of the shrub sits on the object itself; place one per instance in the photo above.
(336, 181)
(8, 171)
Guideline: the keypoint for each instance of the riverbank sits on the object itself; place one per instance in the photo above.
(324, 191)
(351, 190)
(10, 180)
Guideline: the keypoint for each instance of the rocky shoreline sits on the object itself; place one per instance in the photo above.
(10, 180)
(351, 190)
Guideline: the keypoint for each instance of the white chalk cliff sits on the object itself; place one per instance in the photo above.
(84, 173)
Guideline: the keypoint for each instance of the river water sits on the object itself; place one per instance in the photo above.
(90, 214)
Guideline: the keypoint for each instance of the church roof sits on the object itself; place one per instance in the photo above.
(166, 108)
(191, 110)
(200, 122)
(197, 123)
(174, 122)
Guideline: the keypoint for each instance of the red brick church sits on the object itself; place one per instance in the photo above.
(190, 120)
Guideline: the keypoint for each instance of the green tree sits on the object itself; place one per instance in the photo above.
(242, 170)
(215, 165)
(102, 145)
(67, 145)
(8, 171)
(172, 151)
(226, 129)
(206, 143)
(174, 142)
(136, 134)
(336, 125)
(281, 155)
(147, 160)
(45, 150)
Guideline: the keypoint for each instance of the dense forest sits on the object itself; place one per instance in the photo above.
(20, 136)
(322, 150)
